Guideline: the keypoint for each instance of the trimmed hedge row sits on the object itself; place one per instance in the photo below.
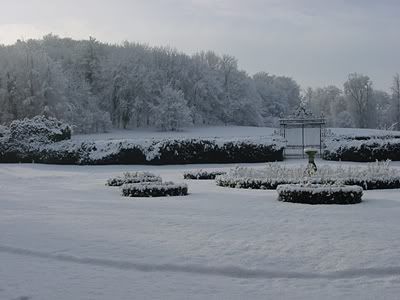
(362, 150)
(319, 194)
(175, 151)
(202, 174)
(135, 177)
(374, 184)
(188, 151)
(146, 189)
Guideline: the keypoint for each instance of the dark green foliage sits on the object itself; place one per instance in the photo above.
(194, 151)
(366, 152)
(202, 174)
(154, 189)
(320, 196)
(190, 151)
(135, 177)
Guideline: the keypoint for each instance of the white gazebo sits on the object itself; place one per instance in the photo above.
(302, 130)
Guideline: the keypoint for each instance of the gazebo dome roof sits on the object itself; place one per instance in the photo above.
(302, 116)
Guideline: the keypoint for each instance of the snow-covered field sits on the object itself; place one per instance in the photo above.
(195, 132)
(215, 131)
(65, 235)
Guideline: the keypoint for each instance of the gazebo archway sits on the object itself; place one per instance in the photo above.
(302, 130)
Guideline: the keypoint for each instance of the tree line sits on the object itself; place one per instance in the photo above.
(358, 104)
(98, 86)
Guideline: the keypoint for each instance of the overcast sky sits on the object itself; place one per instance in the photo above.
(317, 42)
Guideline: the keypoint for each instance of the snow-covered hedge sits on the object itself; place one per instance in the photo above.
(319, 194)
(361, 148)
(202, 174)
(153, 151)
(154, 189)
(377, 175)
(134, 177)
(185, 151)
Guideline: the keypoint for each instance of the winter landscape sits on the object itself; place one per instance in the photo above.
(199, 150)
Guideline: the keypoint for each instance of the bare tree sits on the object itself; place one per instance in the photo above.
(359, 90)
(396, 99)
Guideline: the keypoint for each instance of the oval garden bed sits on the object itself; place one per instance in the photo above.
(319, 193)
(134, 177)
(158, 189)
(202, 174)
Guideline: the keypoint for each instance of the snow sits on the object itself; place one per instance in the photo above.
(190, 132)
(217, 131)
(65, 235)
(352, 132)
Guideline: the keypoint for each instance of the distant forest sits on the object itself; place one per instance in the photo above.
(97, 86)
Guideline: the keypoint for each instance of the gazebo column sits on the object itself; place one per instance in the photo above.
(302, 139)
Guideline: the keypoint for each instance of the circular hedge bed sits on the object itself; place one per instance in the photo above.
(134, 177)
(202, 174)
(319, 193)
(154, 189)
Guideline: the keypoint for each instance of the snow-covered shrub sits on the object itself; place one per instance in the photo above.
(4, 131)
(377, 175)
(362, 148)
(39, 129)
(4, 137)
(319, 193)
(184, 151)
(26, 140)
(134, 177)
(202, 174)
(154, 189)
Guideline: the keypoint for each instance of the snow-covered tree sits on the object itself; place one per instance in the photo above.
(172, 113)
(396, 99)
(278, 96)
(94, 86)
(358, 89)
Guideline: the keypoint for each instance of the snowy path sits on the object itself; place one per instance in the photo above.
(65, 235)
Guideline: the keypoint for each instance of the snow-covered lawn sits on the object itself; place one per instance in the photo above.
(216, 131)
(65, 235)
(195, 132)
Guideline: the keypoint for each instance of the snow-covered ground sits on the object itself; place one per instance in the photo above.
(196, 132)
(65, 235)
(363, 132)
(216, 131)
